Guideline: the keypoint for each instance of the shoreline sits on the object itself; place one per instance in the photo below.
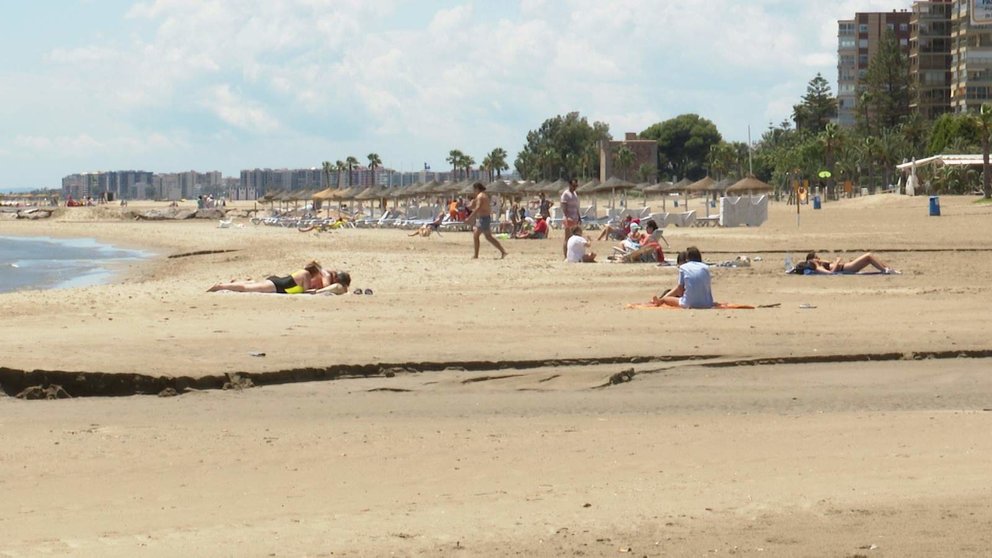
(432, 304)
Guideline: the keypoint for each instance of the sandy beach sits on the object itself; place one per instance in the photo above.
(472, 413)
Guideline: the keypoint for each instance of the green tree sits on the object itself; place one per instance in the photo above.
(497, 162)
(952, 131)
(374, 162)
(684, 144)
(984, 120)
(647, 172)
(819, 106)
(340, 166)
(351, 163)
(886, 91)
(624, 158)
(467, 163)
(327, 167)
(565, 144)
(455, 157)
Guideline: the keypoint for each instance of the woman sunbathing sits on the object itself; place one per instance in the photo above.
(312, 279)
(814, 265)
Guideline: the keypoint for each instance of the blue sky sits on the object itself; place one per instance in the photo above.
(172, 85)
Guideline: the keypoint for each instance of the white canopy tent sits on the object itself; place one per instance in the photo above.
(943, 161)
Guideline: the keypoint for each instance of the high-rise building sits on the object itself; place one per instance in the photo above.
(971, 60)
(858, 41)
(930, 57)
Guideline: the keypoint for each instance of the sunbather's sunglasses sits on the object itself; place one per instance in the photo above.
(360, 291)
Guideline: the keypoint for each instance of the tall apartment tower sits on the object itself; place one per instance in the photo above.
(971, 60)
(857, 43)
(930, 57)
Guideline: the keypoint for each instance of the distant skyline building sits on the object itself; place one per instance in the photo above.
(930, 57)
(858, 40)
(950, 59)
(971, 60)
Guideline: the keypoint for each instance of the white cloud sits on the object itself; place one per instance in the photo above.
(237, 111)
(412, 80)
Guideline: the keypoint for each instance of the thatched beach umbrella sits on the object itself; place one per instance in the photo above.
(612, 185)
(750, 185)
(588, 187)
(704, 185)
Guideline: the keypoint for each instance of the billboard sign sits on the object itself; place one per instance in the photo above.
(981, 12)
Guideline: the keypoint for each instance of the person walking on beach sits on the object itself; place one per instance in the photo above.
(570, 212)
(482, 220)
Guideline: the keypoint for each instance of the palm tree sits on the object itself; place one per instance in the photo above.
(455, 157)
(468, 162)
(374, 162)
(497, 158)
(487, 165)
(340, 166)
(327, 168)
(624, 158)
(830, 137)
(351, 162)
(984, 117)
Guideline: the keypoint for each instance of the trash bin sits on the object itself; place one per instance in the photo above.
(816, 202)
(935, 206)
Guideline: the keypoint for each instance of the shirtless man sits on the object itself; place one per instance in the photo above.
(482, 220)
(570, 212)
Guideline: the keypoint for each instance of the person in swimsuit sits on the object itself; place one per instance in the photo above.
(570, 212)
(312, 279)
(814, 265)
(482, 217)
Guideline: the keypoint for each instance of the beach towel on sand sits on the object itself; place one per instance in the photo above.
(656, 305)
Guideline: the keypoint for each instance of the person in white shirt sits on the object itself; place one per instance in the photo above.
(693, 290)
(575, 247)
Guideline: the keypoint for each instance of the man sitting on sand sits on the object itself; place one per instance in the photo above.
(693, 290)
(576, 247)
(312, 279)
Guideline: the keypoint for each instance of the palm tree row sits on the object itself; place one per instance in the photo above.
(493, 162)
(348, 165)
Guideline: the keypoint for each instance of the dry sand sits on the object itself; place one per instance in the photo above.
(881, 456)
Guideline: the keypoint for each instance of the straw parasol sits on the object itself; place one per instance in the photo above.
(749, 184)
(706, 184)
(588, 187)
(500, 187)
(611, 186)
(325, 194)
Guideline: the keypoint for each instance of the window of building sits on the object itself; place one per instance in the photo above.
(904, 27)
(847, 43)
(863, 43)
(863, 28)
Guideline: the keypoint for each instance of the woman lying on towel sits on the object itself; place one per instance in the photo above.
(312, 279)
(815, 266)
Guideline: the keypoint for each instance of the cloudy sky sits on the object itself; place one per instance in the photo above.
(170, 85)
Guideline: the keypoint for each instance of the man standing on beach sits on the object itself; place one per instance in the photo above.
(570, 212)
(482, 220)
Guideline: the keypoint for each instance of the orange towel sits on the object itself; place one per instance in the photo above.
(716, 306)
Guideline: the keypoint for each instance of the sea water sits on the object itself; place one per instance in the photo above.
(50, 263)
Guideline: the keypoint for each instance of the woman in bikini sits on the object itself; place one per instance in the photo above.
(815, 265)
(312, 279)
